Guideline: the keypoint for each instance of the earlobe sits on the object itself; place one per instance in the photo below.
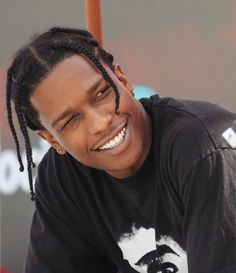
(60, 151)
(51, 140)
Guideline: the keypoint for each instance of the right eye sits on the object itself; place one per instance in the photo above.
(169, 268)
(71, 121)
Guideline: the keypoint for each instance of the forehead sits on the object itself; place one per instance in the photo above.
(73, 72)
(66, 83)
(75, 67)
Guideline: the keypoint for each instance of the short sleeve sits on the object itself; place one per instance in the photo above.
(209, 197)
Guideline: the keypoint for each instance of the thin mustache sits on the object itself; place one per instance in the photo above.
(108, 133)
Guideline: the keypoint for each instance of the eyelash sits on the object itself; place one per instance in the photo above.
(104, 90)
(70, 120)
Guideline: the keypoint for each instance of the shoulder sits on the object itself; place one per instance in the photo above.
(188, 131)
(186, 119)
(204, 116)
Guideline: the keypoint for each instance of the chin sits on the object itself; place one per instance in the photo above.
(128, 167)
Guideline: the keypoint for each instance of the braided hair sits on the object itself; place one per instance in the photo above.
(32, 63)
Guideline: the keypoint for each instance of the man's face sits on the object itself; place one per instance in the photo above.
(76, 106)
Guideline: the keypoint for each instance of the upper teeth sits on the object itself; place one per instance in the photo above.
(115, 141)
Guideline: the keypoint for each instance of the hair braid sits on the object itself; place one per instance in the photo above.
(79, 49)
(70, 30)
(28, 147)
(84, 34)
(10, 120)
(86, 37)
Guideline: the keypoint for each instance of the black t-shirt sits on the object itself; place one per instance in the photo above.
(176, 214)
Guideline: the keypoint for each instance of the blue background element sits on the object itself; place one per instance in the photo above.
(142, 91)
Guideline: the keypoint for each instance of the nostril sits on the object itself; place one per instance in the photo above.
(98, 123)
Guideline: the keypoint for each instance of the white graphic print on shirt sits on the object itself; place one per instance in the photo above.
(146, 255)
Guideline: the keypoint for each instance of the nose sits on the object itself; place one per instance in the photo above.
(98, 121)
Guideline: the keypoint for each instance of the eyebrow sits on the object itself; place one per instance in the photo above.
(68, 111)
(159, 252)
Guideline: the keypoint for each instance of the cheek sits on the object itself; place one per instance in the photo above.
(75, 143)
(127, 103)
(133, 108)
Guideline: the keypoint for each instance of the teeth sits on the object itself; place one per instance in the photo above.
(114, 142)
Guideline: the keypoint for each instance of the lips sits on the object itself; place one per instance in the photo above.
(113, 140)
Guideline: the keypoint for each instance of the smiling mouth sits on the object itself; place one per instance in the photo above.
(116, 141)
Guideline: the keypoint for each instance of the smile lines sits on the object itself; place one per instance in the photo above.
(115, 141)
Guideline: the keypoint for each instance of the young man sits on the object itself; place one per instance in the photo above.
(132, 186)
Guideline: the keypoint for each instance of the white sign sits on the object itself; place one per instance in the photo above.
(11, 179)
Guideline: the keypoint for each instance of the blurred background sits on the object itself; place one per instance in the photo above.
(183, 49)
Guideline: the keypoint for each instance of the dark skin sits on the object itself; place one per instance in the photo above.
(76, 106)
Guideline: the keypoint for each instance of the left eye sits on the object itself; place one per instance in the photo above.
(71, 120)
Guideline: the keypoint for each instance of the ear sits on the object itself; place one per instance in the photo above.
(122, 77)
(51, 140)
